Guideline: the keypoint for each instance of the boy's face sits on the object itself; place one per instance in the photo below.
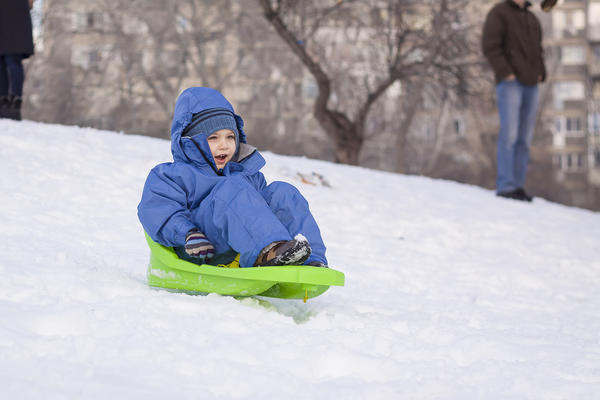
(222, 146)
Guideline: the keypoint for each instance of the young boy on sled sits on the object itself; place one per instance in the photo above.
(213, 199)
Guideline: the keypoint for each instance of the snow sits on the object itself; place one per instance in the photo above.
(451, 292)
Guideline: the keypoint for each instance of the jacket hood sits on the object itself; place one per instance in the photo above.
(191, 101)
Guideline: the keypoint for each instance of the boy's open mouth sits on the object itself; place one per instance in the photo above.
(220, 158)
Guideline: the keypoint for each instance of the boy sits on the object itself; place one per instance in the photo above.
(214, 200)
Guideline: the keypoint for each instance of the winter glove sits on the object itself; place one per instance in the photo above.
(547, 5)
(198, 246)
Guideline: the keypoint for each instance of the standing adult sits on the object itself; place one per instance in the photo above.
(512, 44)
(16, 44)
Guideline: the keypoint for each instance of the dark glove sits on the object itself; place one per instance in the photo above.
(548, 4)
(198, 246)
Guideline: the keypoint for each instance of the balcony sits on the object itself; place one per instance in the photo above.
(573, 104)
(569, 33)
(573, 70)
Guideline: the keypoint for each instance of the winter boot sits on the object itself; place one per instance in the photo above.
(317, 264)
(5, 102)
(14, 109)
(524, 195)
(517, 194)
(291, 252)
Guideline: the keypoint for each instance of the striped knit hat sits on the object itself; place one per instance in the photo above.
(211, 120)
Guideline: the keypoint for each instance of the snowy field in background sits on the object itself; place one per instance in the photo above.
(451, 293)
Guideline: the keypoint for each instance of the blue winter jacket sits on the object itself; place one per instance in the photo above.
(174, 191)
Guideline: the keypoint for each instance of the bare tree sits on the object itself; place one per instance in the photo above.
(48, 82)
(162, 46)
(120, 64)
(356, 50)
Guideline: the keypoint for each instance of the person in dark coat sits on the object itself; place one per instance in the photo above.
(16, 44)
(512, 44)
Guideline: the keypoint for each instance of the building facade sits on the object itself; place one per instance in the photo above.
(574, 71)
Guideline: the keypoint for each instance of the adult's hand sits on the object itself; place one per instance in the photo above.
(547, 5)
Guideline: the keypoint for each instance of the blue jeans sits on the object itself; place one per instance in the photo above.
(11, 74)
(517, 108)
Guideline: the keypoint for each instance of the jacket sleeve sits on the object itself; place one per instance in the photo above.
(163, 209)
(542, 54)
(492, 44)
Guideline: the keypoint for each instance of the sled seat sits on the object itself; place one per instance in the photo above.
(166, 270)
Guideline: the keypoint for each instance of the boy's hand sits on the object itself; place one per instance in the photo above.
(198, 246)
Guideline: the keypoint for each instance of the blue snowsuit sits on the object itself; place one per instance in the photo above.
(234, 207)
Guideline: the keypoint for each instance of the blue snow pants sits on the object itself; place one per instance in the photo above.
(235, 216)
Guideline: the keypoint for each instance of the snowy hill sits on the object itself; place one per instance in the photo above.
(451, 293)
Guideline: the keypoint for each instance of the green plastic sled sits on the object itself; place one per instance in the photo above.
(166, 270)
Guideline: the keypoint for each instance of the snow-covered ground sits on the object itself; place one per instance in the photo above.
(451, 293)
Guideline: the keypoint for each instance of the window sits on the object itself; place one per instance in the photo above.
(310, 88)
(568, 23)
(573, 55)
(594, 123)
(557, 161)
(570, 126)
(459, 126)
(594, 13)
(596, 86)
(87, 56)
(89, 20)
(568, 90)
(574, 125)
(569, 161)
(596, 50)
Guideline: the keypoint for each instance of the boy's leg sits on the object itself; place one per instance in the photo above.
(291, 208)
(235, 216)
(508, 97)
(527, 117)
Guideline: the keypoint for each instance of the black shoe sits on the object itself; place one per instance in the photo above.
(517, 194)
(521, 192)
(5, 103)
(317, 264)
(14, 109)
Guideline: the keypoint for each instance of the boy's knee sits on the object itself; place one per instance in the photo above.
(282, 191)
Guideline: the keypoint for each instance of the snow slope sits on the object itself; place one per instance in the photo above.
(451, 293)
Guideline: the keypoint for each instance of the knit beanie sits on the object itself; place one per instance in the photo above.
(212, 120)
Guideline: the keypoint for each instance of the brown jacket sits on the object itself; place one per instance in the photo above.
(512, 43)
